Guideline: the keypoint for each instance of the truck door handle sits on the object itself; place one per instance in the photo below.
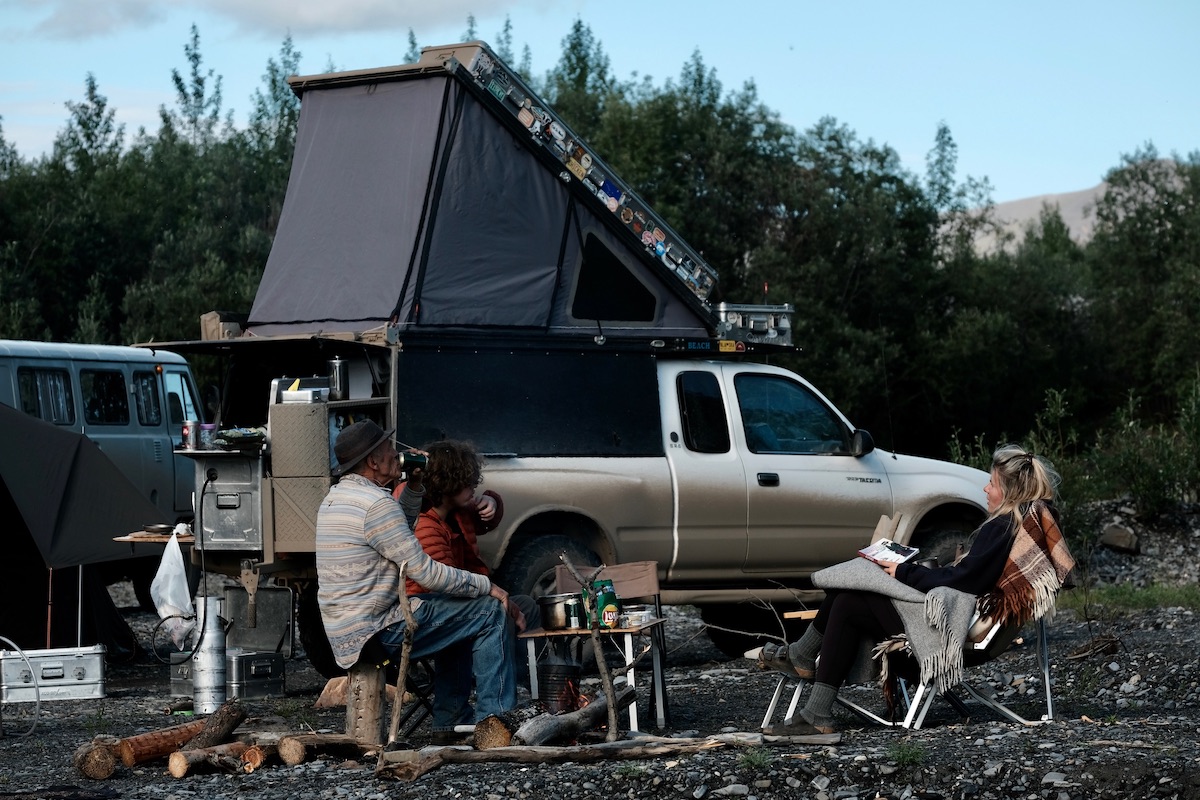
(768, 479)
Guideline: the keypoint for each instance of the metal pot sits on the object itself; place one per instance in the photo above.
(560, 611)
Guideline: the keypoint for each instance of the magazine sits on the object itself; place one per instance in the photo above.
(885, 551)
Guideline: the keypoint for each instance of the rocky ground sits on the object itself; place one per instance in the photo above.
(1127, 724)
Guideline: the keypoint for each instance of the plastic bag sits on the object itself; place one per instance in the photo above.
(171, 594)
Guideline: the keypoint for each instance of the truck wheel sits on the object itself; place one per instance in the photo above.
(312, 633)
(530, 568)
(744, 626)
(941, 544)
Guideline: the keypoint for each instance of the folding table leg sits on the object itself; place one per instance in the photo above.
(533, 681)
(631, 682)
(659, 691)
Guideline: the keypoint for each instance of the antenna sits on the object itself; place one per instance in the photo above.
(887, 395)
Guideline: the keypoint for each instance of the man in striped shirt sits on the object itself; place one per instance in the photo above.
(363, 539)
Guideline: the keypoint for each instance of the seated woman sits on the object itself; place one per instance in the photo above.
(1016, 563)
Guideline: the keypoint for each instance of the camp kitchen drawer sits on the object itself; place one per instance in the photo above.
(66, 673)
(248, 675)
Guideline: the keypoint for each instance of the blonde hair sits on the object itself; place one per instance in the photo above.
(1024, 478)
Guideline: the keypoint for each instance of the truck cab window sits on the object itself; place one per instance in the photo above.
(146, 398)
(781, 416)
(703, 412)
(105, 398)
(46, 394)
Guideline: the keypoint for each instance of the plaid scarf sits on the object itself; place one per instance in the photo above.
(1037, 567)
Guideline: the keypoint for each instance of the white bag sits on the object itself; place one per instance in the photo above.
(171, 594)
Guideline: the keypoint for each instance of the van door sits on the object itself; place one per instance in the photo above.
(108, 420)
(182, 404)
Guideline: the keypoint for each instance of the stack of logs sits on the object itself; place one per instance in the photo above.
(204, 746)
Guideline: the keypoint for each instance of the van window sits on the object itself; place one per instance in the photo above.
(181, 402)
(105, 398)
(145, 397)
(46, 394)
(780, 416)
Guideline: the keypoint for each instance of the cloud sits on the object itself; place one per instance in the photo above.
(350, 16)
(87, 19)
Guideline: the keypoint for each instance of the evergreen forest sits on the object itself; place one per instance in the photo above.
(1087, 352)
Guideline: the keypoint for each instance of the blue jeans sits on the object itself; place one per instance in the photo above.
(452, 668)
(480, 625)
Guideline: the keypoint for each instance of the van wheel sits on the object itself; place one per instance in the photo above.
(530, 568)
(743, 626)
(312, 633)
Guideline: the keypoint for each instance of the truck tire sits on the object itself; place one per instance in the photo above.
(312, 633)
(749, 625)
(530, 568)
(941, 544)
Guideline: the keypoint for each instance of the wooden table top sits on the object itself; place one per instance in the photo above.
(542, 633)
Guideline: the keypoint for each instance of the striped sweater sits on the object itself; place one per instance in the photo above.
(362, 538)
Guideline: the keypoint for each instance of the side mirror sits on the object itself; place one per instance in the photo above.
(861, 443)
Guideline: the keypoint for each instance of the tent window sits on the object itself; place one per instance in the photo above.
(608, 290)
(46, 394)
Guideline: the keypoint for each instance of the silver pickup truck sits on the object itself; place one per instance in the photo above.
(740, 479)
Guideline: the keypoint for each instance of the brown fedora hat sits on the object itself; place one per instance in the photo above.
(356, 442)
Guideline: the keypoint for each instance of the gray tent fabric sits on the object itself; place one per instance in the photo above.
(71, 497)
(410, 197)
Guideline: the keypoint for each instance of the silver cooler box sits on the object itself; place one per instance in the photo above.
(248, 675)
(65, 673)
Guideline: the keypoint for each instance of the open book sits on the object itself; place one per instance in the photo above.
(885, 551)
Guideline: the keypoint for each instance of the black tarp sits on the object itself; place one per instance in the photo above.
(62, 501)
(410, 198)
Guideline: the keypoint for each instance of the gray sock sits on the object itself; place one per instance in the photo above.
(804, 651)
(819, 708)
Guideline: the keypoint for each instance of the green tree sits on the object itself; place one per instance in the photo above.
(198, 98)
(1145, 258)
(413, 54)
(579, 86)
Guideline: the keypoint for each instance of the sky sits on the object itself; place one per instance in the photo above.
(1041, 96)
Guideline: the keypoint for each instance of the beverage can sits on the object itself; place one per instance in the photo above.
(574, 613)
(208, 432)
(191, 434)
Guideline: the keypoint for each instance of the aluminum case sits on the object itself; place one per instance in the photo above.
(65, 673)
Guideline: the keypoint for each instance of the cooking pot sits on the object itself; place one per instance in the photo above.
(560, 611)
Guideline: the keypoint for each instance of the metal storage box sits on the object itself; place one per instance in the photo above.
(248, 675)
(67, 673)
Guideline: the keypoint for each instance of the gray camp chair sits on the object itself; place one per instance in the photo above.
(994, 641)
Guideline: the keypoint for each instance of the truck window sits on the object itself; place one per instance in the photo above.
(105, 398)
(781, 416)
(145, 397)
(46, 394)
(703, 412)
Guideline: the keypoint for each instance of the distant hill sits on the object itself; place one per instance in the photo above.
(1076, 208)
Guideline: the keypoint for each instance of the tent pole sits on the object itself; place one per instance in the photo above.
(49, 604)
(79, 611)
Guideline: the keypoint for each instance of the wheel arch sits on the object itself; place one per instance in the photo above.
(573, 524)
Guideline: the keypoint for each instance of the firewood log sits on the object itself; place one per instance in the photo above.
(97, 759)
(496, 730)
(295, 750)
(218, 727)
(226, 757)
(546, 728)
(156, 744)
(257, 755)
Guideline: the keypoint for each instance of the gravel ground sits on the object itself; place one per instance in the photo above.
(1127, 724)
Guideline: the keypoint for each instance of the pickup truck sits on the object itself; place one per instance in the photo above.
(739, 478)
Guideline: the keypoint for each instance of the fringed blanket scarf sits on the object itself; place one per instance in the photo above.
(1036, 569)
(936, 624)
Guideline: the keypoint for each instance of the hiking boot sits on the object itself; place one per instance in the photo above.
(797, 727)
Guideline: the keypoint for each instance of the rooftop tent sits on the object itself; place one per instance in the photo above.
(410, 198)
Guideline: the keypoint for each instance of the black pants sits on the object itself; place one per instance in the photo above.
(844, 619)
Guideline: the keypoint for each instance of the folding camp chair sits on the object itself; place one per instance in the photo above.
(992, 644)
(636, 580)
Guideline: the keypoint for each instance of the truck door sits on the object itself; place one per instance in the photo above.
(706, 473)
(811, 503)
